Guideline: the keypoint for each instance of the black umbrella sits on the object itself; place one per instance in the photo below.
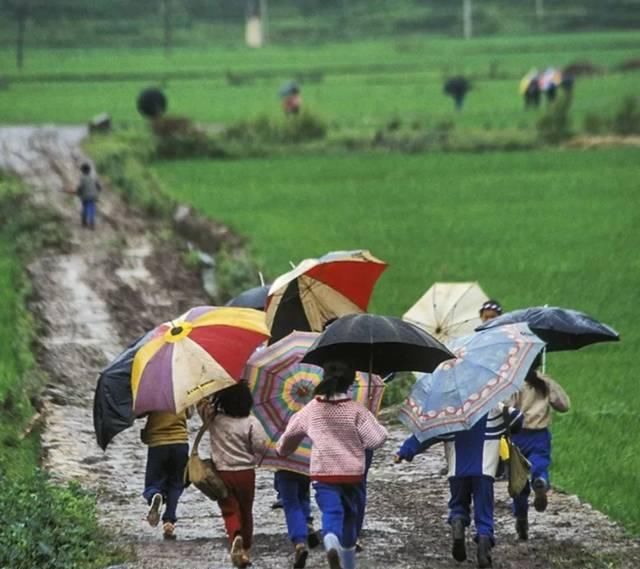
(378, 344)
(113, 400)
(255, 297)
(561, 328)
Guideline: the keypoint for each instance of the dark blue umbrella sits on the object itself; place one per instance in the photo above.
(253, 298)
(377, 344)
(561, 328)
(113, 400)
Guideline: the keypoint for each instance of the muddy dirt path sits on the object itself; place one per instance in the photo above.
(120, 280)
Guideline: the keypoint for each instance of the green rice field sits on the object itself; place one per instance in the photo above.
(551, 227)
(355, 85)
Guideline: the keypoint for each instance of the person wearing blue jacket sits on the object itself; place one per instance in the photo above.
(472, 456)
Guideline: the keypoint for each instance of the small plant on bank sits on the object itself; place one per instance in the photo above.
(626, 121)
(555, 125)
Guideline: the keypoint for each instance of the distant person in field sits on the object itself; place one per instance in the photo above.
(166, 436)
(292, 102)
(88, 191)
(537, 398)
(457, 87)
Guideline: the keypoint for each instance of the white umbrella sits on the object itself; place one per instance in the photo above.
(448, 310)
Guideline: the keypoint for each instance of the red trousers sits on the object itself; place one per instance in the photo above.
(237, 508)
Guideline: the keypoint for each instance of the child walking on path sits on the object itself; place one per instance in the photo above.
(340, 430)
(88, 190)
(237, 442)
(539, 395)
(168, 441)
(472, 457)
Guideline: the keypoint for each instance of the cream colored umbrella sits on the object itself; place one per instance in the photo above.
(448, 310)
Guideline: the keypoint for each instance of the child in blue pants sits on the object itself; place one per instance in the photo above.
(537, 398)
(293, 489)
(472, 457)
(340, 431)
(167, 438)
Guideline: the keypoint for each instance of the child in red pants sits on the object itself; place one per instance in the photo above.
(237, 443)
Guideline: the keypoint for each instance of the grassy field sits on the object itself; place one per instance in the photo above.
(553, 227)
(356, 85)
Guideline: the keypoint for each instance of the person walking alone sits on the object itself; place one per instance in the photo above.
(88, 190)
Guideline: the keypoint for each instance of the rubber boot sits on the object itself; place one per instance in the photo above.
(540, 492)
(484, 552)
(458, 550)
(522, 528)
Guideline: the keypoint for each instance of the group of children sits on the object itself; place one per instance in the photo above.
(344, 434)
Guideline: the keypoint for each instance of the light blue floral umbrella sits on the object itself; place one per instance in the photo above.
(488, 368)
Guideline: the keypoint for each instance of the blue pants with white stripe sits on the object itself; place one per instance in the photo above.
(293, 489)
(535, 444)
(463, 490)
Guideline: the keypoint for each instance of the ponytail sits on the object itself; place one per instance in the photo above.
(338, 377)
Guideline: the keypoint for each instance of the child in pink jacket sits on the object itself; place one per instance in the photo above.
(340, 430)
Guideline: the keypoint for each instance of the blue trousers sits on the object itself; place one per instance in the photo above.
(89, 213)
(164, 475)
(536, 446)
(463, 490)
(363, 489)
(341, 506)
(293, 489)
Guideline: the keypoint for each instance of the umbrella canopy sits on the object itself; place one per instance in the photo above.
(489, 367)
(448, 310)
(289, 88)
(378, 344)
(189, 358)
(562, 329)
(318, 290)
(113, 401)
(255, 297)
(282, 385)
(524, 82)
(175, 365)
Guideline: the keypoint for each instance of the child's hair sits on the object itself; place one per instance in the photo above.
(235, 401)
(338, 377)
(85, 168)
(534, 380)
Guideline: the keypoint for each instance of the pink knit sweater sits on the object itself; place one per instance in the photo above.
(340, 430)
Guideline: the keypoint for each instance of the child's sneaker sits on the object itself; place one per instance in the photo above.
(245, 559)
(153, 516)
(540, 492)
(169, 530)
(237, 551)
(300, 558)
(458, 549)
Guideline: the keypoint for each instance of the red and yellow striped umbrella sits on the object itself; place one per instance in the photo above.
(318, 290)
(200, 353)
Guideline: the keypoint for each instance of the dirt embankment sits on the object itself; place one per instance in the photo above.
(120, 280)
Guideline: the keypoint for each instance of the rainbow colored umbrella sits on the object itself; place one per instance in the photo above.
(199, 353)
(281, 385)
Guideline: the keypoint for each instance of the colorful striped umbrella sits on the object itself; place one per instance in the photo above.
(189, 358)
(281, 385)
(319, 290)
